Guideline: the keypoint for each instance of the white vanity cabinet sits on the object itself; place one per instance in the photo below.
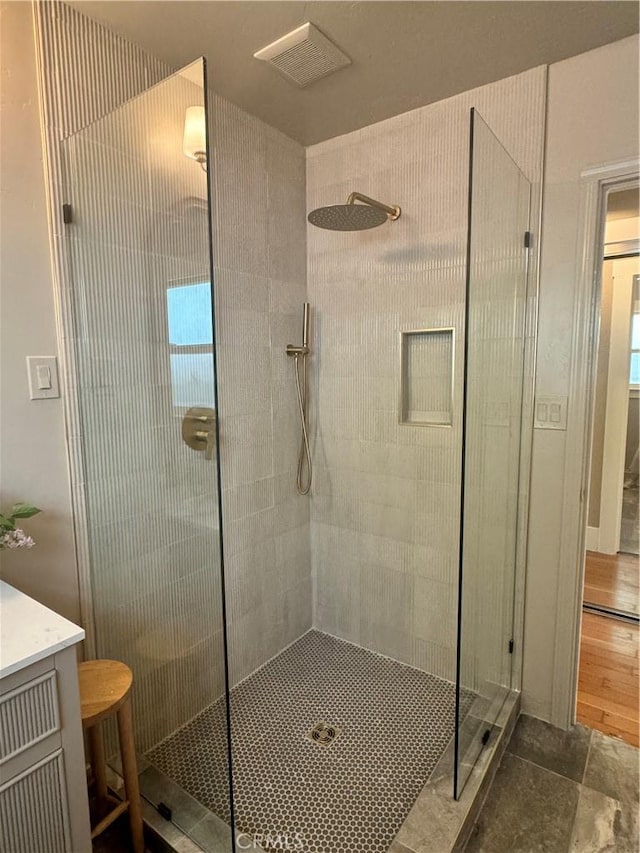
(43, 790)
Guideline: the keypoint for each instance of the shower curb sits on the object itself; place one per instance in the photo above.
(439, 824)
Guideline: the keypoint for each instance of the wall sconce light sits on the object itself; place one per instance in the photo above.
(194, 141)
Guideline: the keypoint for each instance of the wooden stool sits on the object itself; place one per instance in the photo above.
(105, 687)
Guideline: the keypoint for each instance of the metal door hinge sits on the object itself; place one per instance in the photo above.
(528, 239)
(67, 214)
(510, 647)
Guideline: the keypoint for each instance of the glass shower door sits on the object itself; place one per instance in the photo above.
(497, 253)
(139, 251)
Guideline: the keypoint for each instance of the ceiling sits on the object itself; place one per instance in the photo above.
(404, 54)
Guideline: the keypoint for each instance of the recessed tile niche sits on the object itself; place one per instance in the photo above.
(426, 377)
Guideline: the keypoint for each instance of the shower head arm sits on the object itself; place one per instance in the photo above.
(393, 212)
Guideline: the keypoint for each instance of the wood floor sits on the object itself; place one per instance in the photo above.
(608, 695)
(612, 580)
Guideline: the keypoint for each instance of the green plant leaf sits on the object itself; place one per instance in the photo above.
(6, 523)
(24, 511)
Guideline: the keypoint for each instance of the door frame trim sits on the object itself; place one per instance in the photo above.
(595, 183)
(617, 405)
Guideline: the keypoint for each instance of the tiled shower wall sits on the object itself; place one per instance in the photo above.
(260, 283)
(153, 602)
(385, 510)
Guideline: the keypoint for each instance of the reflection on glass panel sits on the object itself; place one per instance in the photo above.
(190, 329)
(189, 314)
(190, 379)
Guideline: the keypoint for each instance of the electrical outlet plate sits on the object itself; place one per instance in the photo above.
(550, 413)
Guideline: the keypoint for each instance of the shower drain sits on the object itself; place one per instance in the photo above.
(323, 733)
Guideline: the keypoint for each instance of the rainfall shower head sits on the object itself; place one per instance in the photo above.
(352, 216)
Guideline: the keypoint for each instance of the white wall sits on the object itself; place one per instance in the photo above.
(33, 457)
(592, 119)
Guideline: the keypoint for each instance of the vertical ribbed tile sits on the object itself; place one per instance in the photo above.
(365, 288)
(260, 286)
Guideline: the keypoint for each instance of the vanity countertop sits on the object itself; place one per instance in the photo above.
(29, 631)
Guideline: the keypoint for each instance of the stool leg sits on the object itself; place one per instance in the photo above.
(96, 746)
(130, 773)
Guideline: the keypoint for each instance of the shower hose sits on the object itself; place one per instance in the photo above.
(303, 484)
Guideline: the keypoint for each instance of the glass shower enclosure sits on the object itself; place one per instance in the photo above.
(329, 738)
(498, 243)
(138, 237)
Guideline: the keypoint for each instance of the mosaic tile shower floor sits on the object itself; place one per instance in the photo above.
(352, 794)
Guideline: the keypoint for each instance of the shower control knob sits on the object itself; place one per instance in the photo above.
(199, 430)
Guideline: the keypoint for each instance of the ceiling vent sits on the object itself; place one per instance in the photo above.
(304, 55)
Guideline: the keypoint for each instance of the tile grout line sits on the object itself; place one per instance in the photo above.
(546, 769)
(582, 785)
(559, 776)
(580, 790)
(586, 763)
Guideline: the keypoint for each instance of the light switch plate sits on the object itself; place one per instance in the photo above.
(43, 377)
(550, 413)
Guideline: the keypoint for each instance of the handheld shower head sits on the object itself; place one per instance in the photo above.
(352, 216)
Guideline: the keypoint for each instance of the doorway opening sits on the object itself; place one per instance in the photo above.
(608, 671)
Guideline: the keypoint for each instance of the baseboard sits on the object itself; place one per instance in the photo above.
(592, 541)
